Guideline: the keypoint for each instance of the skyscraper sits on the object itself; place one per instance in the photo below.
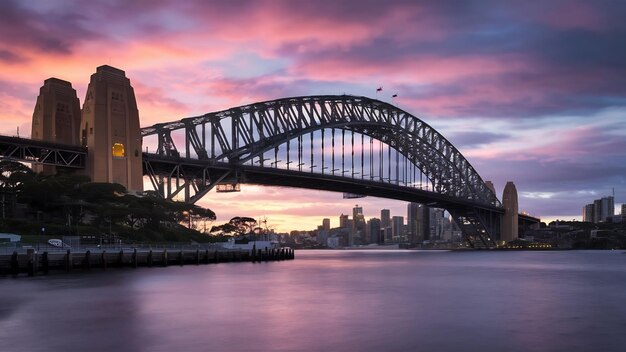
(56, 117)
(509, 223)
(373, 230)
(358, 224)
(110, 129)
(326, 224)
(385, 218)
(385, 225)
(588, 213)
(412, 221)
(603, 208)
(397, 225)
(343, 221)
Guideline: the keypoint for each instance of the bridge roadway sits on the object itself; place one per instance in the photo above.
(47, 153)
(327, 182)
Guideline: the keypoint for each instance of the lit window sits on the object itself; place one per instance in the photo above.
(118, 150)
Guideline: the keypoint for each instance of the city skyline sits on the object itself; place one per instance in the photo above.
(529, 93)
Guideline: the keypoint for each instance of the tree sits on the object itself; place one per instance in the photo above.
(239, 225)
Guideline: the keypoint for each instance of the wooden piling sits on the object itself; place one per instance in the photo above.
(197, 256)
(181, 258)
(120, 258)
(134, 257)
(164, 261)
(103, 260)
(68, 261)
(45, 262)
(149, 260)
(87, 260)
(31, 262)
(15, 264)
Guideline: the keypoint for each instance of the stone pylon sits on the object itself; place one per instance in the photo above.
(56, 117)
(110, 129)
(490, 185)
(510, 221)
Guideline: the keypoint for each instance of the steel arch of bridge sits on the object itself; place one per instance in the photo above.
(194, 154)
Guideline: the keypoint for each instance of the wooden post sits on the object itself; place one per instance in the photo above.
(197, 256)
(134, 257)
(103, 260)
(15, 264)
(120, 258)
(150, 258)
(181, 258)
(164, 262)
(68, 260)
(87, 260)
(45, 262)
(207, 255)
(30, 268)
(216, 257)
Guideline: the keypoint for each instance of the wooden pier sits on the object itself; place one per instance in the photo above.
(32, 263)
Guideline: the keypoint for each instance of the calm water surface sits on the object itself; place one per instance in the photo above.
(330, 301)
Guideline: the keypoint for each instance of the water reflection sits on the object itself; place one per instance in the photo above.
(330, 301)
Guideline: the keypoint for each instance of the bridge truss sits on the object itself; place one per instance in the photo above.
(339, 143)
(40, 152)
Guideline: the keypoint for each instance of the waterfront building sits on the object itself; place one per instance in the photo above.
(397, 225)
(373, 230)
(588, 213)
(603, 209)
(385, 225)
(436, 224)
(343, 221)
(326, 224)
(412, 222)
(624, 210)
(358, 224)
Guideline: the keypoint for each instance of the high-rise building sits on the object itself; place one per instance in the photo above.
(326, 224)
(604, 208)
(423, 218)
(436, 223)
(56, 117)
(374, 231)
(397, 225)
(358, 225)
(510, 220)
(110, 129)
(343, 221)
(385, 225)
(588, 213)
(412, 221)
(385, 218)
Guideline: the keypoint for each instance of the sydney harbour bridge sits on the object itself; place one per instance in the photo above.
(339, 143)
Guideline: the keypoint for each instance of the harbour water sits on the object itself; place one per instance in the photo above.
(330, 301)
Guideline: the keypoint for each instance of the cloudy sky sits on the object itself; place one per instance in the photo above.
(531, 92)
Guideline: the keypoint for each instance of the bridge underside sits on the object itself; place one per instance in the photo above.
(192, 179)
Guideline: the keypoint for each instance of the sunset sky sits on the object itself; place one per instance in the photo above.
(531, 92)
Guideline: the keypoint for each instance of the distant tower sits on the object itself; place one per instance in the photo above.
(489, 185)
(509, 202)
(110, 129)
(56, 117)
(326, 224)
